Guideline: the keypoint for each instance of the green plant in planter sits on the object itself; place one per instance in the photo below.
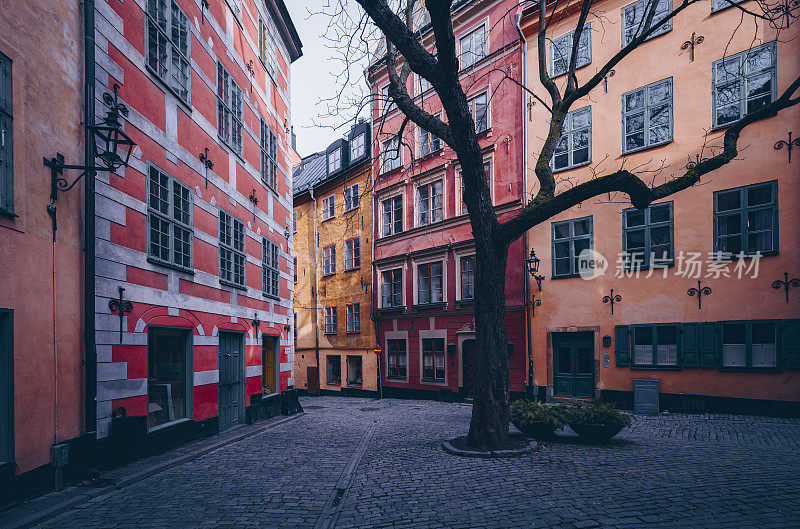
(530, 413)
(597, 413)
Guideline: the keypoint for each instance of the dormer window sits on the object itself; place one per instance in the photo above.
(335, 160)
(357, 147)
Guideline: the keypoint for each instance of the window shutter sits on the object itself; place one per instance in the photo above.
(708, 344)
(790, 340)
(622, 349)
(691, 344)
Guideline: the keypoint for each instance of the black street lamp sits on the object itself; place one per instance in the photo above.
(533, 268)
(112, 148)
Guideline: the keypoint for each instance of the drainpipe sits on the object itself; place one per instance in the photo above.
(89, 229)
(316, 287)
(528, 304)
(373, 278)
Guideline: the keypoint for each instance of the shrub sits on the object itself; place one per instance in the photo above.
(528, 412)
(598, 412)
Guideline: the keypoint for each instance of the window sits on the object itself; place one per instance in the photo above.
(391, 158)
(746, 219)
(429, 283)
(294, 222)
(487, 170)
(351, 198)
(468, 278)
(357, 146)
(570, 238)
(424, 84)
(429, 203)
(169, 216)
(387, 104)
(574, 147)
(392, 215)
(352, 254)
(231, 250)
(236, 8)
(168, 372)
(561, 51)
(328, 207)
(168, 40)
(718, 5)
(329, 260)
(266, 49)
(229, 110)
(295, 269)
(6, 138)
(433, 359)
(478, 108)
(655, 345)
(392, 288)
(473, 47)
(353, 316)
(270, 269)
(647, 236)
(334, 365)
(330, 320)
(743, 83)
(647, 116)
(354, 377)
(429, 143)
(334, 160)
(269, 156)
(749, 345)
(396, 355)
(633, 17)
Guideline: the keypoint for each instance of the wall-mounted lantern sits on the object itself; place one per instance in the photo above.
(533, 267)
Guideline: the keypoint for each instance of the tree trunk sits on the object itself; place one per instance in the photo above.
(489, 425)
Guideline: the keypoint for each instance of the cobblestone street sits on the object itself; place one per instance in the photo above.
(366, 463)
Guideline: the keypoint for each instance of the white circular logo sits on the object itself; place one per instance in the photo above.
(591, 264)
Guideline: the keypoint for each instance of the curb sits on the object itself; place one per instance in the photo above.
(494, 454)
(60, 508)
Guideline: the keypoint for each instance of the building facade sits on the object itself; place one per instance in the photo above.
(197, 229)
(41, 368)
(333, 247)
(732, 346)
(424, 266)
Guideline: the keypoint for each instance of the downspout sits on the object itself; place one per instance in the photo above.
(528, 304)
(316, 287)
(89, 229)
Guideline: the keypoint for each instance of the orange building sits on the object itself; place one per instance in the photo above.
(735, 344)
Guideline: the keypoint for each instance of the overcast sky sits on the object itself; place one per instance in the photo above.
(312, 78)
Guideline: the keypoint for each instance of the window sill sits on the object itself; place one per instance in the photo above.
(431, 224)
(392, 309)
(554, 77)
(354, 385)
(8, 212)
(565, 276)
(334, 383)
(398, 379)
(721, 128)
(390, 171)
(484, 133)
(431, 154)
(186, 103)
(433, 380)
(331, 274)
(732, 257)
(329, 218)
(647, 147)
(331, 333)
(462, 302)
(270, 296)
(232, 285)
(419, 307)
(165, 264)
(354, 332)
(656, 368)
(354, 269)
(752, 369)
(351, 209)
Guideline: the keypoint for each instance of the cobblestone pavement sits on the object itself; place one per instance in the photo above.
(366, 463)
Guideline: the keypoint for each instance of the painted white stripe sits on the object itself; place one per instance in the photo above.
(201, 378)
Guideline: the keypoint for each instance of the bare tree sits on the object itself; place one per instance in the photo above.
(396, 43)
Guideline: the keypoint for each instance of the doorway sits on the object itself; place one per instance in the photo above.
(573, 364)
(231, 379)
(468, 366)
(270, 348)
(6, 387)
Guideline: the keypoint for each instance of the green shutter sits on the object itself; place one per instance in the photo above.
(790, 341)
(690, 336)
(622, 350)
(708, 344)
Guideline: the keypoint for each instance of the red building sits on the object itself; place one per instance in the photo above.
(195, 230)
(424, 250)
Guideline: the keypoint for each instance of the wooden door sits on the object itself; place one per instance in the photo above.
(231, 389)
(269, 349)
(573, 364)
(468, 366)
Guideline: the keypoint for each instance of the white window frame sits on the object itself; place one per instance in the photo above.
(484, 26)
(428, 182)
(335, 160)
(329, 260)
(230, 104)
(358, 146)
(352, 199)
(269, 156)
(386, 104)
(234, 251)
(461, 208)
(331, 320)
(271, 269)
(329, 207)
(742, 79)
(355, 260)
(391, 164)
(665, 28)
(473, 111)
(430, 140)
(432, 335)
(267, 52)
(352, 318)
(645, 111)
(396, 336)
(458, 256)
(384, 198)
(568, 131)
(168, 76)
(403, 293)
(169, 217)
(415, 263)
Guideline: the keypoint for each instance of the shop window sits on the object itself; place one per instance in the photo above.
(169, 371)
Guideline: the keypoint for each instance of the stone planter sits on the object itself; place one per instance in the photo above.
(537, 430)
(596, 432)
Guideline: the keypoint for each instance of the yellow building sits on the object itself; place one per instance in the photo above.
(333, 239)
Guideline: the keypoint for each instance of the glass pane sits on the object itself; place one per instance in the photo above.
(763, 333)
(667, 355)
(728, 200)
(660, 213)
(561, 161)
(580, 139)
(561, 231)
(759, 59)
(635, 217)
(642, 354)
(562, 266)
(733, 333)
(659, 236)
(635, 239)
(667, 335)
(634, 101)
(727, 70)
(728, 114)
(562, 145)
(580, 118)
(166, 375)
(582, 227)
(660, 92)
(633, 123)
(580, 156)
(759, 195)
(660, 134)
(730, 224)
(729, 94)
(643, 336)
(634, 141)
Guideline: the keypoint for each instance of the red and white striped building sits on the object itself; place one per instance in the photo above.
(202, 251)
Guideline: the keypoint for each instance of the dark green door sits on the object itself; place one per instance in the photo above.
(573, 364)
(231, 386)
